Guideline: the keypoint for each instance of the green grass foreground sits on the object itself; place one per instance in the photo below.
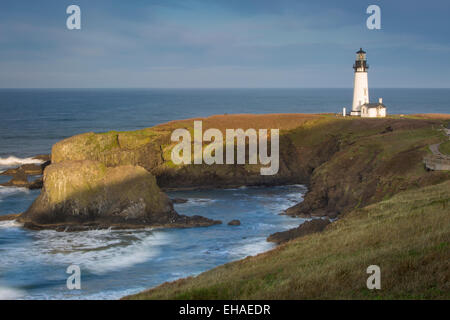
(407, 236)
(445, 148)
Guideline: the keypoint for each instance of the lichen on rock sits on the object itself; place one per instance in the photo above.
(87, 194)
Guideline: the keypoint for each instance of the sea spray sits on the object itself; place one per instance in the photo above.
(13, 161)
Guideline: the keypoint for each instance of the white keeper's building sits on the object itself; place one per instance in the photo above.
(361, 104)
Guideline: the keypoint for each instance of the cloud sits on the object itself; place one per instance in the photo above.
(203, 44)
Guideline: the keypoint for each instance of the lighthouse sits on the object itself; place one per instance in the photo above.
(361, 105)
(361, 84)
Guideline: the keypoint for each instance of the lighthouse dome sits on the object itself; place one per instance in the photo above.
(361, 51)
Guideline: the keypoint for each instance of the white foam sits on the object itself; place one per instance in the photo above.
(12, 161)
(99, 251)
(103, 251)
(7, 293)
(101, 295)
(10, 191)
(251, 247)
(295, 195)
(200, 201)
(298, 186)
(10, 224)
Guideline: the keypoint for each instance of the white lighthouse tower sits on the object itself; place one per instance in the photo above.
(361, 85)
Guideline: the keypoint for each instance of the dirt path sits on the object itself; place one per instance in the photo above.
(435, 149)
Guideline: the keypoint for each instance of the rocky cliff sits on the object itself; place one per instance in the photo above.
(151, 149)
(347, 163)
(376, 159)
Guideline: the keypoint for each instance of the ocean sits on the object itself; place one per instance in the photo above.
(32, 120)
(115, 263)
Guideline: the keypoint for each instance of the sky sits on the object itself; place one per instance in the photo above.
(222, 44)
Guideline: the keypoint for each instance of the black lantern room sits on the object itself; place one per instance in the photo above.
(361, 61)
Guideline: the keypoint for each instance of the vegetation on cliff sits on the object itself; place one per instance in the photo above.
(375, 159)
(444, 148)
(151, 149)
(407, 236)
(348, 162)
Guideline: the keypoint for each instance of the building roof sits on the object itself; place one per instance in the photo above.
(373, 105)
(361, 51)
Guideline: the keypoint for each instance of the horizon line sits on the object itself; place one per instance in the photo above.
(198, 88)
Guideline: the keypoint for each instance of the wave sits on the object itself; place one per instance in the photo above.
(113, 294)
(99, 251)
(9, 224)
(198, 202)
(11, 191)
(12, 161)
(7, 293)
(111, 253)
(250, 247)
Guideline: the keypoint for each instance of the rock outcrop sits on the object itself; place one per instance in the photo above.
(7, 217)
(308, 227)
(21, 175)
(19, 179)
(80, 195)
(234, 223)
(28, 169)
(179, 201)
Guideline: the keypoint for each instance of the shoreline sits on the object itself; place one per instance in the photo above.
(398, 155)
(239, 237)
(311, 187)
(170, 181)
(312, 267)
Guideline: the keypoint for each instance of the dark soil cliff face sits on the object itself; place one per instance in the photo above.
(372, 164)
(347, 163)
(306, 228)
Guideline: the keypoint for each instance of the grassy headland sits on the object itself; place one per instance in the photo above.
(407, 236)
(347, 162)
(394, 213)
(368, 172)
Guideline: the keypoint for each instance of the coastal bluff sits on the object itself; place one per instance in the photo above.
(347, 163)
(151, 149)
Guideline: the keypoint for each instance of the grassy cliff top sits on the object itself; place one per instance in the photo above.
(444, 148)
(114, 144)
(407, 236)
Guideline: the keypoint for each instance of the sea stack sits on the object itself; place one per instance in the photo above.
(82, 195)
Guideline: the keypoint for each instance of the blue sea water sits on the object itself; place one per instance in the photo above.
(32, 120)
(115, 263)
